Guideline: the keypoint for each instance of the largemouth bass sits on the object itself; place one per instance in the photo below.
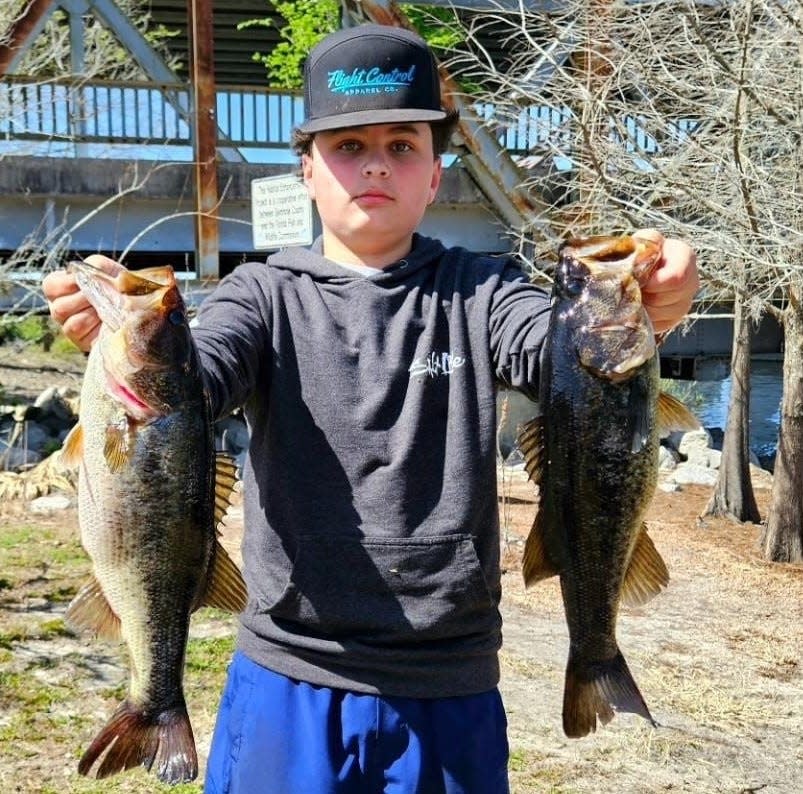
(594, 455)
(149, 497)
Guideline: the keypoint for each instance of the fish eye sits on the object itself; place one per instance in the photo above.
(570, 278)
(176, 317)
(574, 286)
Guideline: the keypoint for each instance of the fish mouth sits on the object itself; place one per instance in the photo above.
(605, 255)
(114, 294)
(124, 301)
(616, 345)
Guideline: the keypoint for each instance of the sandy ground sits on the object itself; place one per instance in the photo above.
(717, 657)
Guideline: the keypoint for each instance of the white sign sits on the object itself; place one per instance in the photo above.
(281, 212)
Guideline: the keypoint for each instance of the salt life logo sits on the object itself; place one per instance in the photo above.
(370, 81)
(436, 364)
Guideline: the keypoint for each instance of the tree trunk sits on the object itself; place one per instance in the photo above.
(783, 536)
(733, 495)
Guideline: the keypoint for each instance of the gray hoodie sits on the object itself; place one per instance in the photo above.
(371, 547)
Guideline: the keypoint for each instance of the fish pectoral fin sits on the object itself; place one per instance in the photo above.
(646, 574)
(225, 588)
(118, 447)
(536, 563)
(72, 450)
(225, 484)
(90, 611)
(531, 444)
(674, 415)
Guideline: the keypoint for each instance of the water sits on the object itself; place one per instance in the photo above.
(709, 401)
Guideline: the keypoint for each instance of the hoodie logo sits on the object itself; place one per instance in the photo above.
(370, 81)
(435, 364)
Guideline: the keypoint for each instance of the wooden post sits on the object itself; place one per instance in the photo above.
(204, 137)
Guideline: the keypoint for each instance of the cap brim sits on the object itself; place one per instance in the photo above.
(362, 118)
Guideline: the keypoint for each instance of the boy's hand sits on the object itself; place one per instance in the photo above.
(69, 308)
(668, 294)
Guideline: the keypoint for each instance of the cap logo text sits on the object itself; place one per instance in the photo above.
(370, 81)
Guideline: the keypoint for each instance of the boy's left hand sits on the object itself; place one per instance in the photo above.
(668, 294)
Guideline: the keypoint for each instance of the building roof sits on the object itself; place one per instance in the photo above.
(233, 48)
(233, 51)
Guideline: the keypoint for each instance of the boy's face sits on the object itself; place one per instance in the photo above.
(372, 186)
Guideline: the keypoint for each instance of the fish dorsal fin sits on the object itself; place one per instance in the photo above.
(674, 415)
(225, 588)
(118, 447)
(646, 574)
(90, 611)
(531, 444)
(536, 563)
(72, 450)
(225, 484)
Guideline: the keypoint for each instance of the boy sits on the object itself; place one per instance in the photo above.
(367, 369)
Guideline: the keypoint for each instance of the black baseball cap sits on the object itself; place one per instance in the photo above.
(370, 74)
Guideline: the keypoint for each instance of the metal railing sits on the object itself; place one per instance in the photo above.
(139, 112)
(147, 113)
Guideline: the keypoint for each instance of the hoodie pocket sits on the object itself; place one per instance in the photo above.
(393, 589)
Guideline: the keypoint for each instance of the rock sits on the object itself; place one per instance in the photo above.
(708, 457)
(693, 474)
(34, 436)
(55, 412)
(761, 478)
(40, 427)
(17, 458)
(71, 397)
(16, 438)
(47, 504)
(668, 486)
(667, 458)
(696, 442)
(672, 441)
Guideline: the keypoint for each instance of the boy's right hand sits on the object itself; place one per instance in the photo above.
(69, 307)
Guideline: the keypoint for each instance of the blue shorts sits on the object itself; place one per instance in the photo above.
(276, 735)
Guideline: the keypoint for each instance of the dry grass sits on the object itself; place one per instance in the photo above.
(717, 657)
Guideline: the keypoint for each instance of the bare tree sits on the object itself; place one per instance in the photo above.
(104, 57)
(733, 494)
(686, 116)
(48, 59)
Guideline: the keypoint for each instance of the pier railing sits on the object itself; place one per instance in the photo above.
(148, 114)
(138, 112)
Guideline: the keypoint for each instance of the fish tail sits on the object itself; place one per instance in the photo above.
(594, 690)
(161, 741)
